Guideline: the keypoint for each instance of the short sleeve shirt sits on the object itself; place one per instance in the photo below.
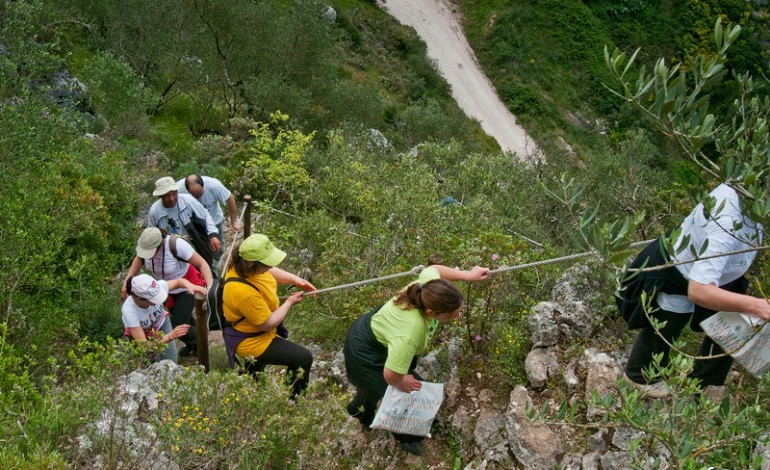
(163, 265)
(146, 318)
(214, 195)
(406, 333)
(242, 301)
(175, 218)
(726, 230)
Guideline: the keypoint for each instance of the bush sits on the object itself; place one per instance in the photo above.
(117, 93)
(82, 200)
(223, 419)
(45, 419)
(521, 99)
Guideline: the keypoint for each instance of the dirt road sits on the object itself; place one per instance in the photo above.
(448, 47)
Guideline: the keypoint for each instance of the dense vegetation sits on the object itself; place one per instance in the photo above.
(347, 138)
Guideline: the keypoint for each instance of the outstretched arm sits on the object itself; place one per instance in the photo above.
(185, 284)
(204, 268)
(283, 277)
(476, 273)
(279, 314)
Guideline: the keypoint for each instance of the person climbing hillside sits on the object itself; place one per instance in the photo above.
(382, 346)
(211, 193)
(183, 215)
(169, 257)
(251, 307)
(144, 317)
(693, 291)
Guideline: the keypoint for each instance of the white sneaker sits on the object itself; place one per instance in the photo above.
(653, 390)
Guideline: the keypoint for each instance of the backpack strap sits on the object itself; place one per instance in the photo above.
(242, 281)
(172, 246)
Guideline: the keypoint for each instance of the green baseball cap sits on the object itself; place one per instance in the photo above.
(259, 248)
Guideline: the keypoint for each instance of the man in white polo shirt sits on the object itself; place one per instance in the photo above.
(211, 193)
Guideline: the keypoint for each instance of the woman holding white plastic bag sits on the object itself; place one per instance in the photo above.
(382, 346)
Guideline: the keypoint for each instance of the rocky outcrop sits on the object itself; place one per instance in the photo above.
(499, 436)
(122, 428)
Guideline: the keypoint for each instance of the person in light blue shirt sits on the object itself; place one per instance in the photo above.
(183, 215)
(211, 193)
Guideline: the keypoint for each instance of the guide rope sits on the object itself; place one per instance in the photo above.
(417, 269)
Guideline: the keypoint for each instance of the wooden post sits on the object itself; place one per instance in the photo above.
(247, 217)
(202, 325)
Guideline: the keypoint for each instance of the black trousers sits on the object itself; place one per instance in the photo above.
(182, 314)
(282, 352)
(648, 343)
(364, 365)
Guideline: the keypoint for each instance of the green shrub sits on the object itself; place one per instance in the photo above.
(117, 93)
(223, 419)
(31, 53)
(82, 200)
(50, 401)
(521, 99)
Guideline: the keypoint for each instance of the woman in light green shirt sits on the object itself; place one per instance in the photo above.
(382, 346)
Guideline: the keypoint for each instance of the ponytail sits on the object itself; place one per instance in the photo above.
(129, 287)
(438, 295)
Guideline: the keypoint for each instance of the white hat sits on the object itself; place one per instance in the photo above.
(146, 287)
(165, 185)
(149, 242)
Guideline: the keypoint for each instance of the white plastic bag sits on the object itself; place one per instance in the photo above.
(745, 337)
(409, 413)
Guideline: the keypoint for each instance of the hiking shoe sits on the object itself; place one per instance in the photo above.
(354, 411)
(411, 447)
(653, 390)
(357, 413)
(188, 351)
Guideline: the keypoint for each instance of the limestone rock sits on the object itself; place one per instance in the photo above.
(575, 320)
(598, 442)
(623, 436)
(570, 375)
(328, 13)
(615, 461)
(542, 324)
(540, 365)
(533, 444)
(764, 451)
(571, 462)
(602, 378)
(429, 367)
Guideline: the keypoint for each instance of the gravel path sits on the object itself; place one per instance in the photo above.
(437, 26)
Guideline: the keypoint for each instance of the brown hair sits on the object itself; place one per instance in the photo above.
(438, 295)
(243, 267)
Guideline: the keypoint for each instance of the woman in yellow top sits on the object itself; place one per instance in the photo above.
(251, 307)
(382, 346)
